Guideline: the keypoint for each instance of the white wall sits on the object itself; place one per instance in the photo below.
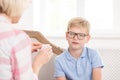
(117, 15)
(27, 19)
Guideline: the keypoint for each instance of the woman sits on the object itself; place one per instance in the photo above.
(16, 47)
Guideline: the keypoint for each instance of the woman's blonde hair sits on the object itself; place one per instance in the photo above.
(79, 22)
(12, 8)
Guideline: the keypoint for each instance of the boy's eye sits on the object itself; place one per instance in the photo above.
(71, 33)
(81, 34)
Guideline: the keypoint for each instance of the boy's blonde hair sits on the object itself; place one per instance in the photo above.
(12, 8)
(79, 22)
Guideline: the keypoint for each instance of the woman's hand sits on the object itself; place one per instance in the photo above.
(36, 46)
(43, 56)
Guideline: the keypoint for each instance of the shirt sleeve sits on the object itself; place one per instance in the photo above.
(5, 68)
(96, 60)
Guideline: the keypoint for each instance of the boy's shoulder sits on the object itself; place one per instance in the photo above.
(92, 51)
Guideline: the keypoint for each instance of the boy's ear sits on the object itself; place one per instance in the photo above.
(88, 38)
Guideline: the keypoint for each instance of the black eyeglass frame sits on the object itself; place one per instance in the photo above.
(80, 36)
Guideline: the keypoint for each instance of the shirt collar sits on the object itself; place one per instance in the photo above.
(70, 57)
(84, 52)
(4, 19)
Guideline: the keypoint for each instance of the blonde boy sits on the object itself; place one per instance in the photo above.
(78, 62)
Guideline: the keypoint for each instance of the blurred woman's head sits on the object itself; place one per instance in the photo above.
(13, 8)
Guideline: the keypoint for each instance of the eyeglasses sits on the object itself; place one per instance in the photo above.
(80, 36)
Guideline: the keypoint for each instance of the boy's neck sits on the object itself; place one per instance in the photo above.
(76, 53)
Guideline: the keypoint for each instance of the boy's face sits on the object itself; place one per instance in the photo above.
(77, 37)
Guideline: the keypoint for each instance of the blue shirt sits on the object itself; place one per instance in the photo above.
(77, 69)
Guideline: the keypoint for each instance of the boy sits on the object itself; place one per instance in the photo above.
(78, 62)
